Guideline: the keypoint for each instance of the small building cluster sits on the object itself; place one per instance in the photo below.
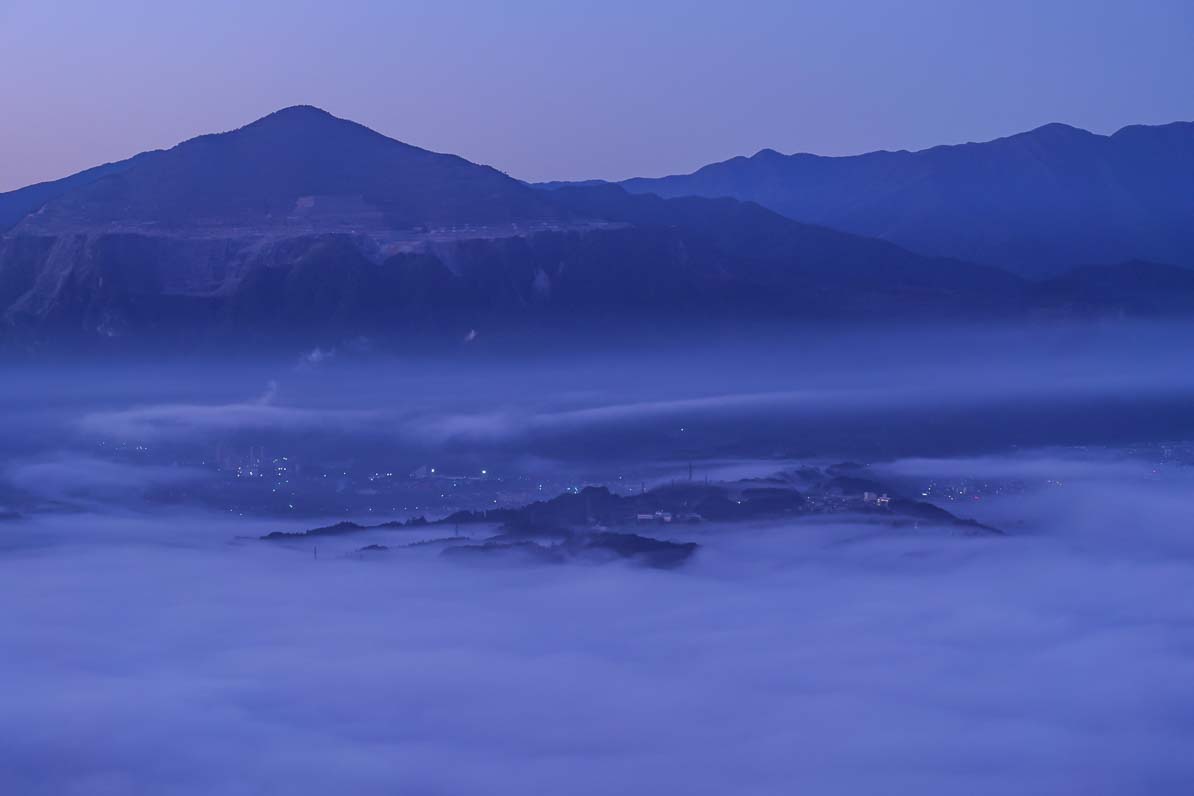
(875, 499)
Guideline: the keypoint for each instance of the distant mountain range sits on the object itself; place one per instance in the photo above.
(1037, 203)
(305, 225)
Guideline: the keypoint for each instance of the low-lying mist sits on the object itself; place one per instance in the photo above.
(159, 654)
(154, 644)
(859, 394)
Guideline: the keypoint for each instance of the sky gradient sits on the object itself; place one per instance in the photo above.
(582, 89)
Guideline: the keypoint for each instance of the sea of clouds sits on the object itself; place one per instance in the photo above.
(165, 650)
(147, 652)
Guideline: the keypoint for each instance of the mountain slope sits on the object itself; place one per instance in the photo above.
(1037, 203)
(1132, 288)
(298, 166)
(639, 260)
(15, 205)
(305, 227)
(775, 249)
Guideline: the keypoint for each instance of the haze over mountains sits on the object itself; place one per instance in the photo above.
(305, 225)
(1037, 203)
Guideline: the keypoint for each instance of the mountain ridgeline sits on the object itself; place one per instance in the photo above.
(305, 226)
(1038, 203)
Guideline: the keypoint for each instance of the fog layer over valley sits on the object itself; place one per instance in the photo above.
(155, 643)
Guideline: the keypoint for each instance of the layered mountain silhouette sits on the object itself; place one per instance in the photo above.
(305, 225)
(1037, 203)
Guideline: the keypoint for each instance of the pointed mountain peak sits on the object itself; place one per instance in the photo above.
(300, 112)
(303, 115)
(303, 165)
(297, 117)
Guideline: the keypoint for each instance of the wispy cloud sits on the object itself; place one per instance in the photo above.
(79, 477)
(179, 421)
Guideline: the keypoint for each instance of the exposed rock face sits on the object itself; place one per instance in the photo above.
(212, 283)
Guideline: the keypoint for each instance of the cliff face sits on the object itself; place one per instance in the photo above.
(129, 284)
(97, 284)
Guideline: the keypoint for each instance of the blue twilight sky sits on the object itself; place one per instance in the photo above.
(566, 90)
